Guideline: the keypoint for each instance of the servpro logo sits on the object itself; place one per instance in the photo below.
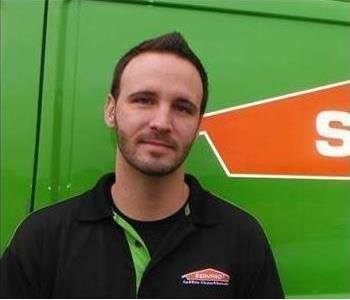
(206, 277)
(300, 135)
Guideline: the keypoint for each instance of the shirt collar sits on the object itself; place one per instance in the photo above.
(203, 209)
(98, 203)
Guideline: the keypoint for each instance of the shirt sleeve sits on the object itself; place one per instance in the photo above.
(266, 282)
(20, 265)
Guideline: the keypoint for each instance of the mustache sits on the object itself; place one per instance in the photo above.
(160, 137)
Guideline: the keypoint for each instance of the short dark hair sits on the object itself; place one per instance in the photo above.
(173, 43)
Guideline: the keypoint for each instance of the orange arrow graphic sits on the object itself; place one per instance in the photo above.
(300, 135)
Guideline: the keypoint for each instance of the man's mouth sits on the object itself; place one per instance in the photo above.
(157, 143)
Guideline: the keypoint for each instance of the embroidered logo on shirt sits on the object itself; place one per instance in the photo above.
(206, 277)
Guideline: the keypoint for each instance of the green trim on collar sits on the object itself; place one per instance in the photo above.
(187, 210)
(139, 252)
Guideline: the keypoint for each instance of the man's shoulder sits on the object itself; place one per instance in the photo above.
(237, 223)
(64, 209)
(47, 225)
(84, 205)
(229, 215)
(55, 215)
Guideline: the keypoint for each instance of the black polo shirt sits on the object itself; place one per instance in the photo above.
(76, 249)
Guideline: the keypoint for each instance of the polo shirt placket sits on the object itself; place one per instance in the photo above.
(138, 249)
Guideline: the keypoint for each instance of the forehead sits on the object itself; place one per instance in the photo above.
(161, 71)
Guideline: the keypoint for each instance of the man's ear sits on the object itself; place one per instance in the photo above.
(109, 111)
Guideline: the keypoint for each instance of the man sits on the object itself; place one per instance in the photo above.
(149, 230)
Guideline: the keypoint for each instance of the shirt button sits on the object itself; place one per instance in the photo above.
(138, 244)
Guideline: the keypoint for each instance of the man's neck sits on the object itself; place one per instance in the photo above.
(148, 198)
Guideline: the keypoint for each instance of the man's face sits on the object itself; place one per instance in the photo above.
(157, 113)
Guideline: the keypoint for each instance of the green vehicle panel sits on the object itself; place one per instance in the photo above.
(20, 58)
(253, 50)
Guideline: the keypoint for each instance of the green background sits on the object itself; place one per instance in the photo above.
(57, 59)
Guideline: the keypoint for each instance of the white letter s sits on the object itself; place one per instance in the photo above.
(323, 120)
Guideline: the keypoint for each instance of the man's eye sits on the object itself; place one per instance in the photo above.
(184, 109)
(143, 100)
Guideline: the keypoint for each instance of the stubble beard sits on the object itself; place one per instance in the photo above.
(147, 166)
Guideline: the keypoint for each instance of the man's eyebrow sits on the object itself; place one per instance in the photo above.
(142, 93)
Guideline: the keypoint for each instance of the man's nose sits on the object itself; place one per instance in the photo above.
(161, 119)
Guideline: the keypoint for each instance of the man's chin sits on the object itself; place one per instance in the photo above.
(152, 166)
(157, 171)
